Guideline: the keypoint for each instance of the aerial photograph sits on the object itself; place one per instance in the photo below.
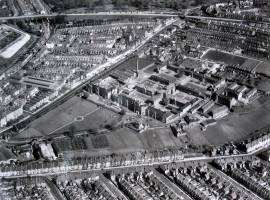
(135, 99)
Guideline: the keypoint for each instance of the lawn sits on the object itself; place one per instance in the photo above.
(125, 140)
(98, 119)
(151, 70)
(62, 115)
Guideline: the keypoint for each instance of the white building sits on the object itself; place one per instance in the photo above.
(47, 151)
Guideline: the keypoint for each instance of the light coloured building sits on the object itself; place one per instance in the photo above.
(47, 151)
(10, 114)
(220, 112)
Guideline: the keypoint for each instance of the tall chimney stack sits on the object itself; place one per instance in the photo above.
(137, 66)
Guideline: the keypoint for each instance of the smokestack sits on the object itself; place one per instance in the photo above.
(137, 66)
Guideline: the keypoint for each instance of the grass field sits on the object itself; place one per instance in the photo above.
(159, 138)
(230, 59)
(264, 68)
(234, 127)
(62, 115)
(151, 69)
(131, 64)
(98, 119)
(250, 64)
(30, 133)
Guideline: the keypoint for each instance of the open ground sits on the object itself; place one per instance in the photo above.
(125, 140)
(131, 64)
(234, 127)
(230, 59)
(61, 118)
(84, 115)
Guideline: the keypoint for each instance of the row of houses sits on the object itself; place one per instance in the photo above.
(92, 163)
(202, 181)
(14, 101)
(87, 189)
(257, 143)
(148, 185)
(252, 172)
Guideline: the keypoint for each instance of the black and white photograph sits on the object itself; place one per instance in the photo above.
(134, 99)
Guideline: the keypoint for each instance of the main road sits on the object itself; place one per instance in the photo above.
(145, 164)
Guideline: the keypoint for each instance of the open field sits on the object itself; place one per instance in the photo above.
(151, 70)
(125, 140)
(159, 138)
(30, 133)
(263, 68)
(230, 59)
(120, 141)
(263, 83)
(97, 119)
(250, 64)
(131, 64)
(234, 127)
(62, 115)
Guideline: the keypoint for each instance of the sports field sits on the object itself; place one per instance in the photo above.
(76, 111)
(92, 121)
